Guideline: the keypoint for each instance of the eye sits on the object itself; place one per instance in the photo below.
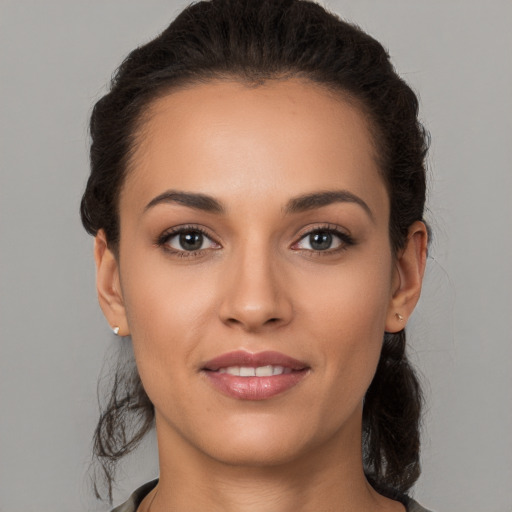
(324, 240)
(187, 240)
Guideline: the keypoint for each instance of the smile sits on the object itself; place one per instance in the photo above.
(260, 376)
(260, 371)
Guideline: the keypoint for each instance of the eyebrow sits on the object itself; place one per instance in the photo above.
(320, 199)
(196, 201)
(298, 204)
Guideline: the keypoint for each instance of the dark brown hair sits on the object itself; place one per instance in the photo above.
(253, 41)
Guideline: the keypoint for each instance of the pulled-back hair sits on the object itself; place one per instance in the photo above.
(254, 41)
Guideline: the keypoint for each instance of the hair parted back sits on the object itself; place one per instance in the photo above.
(253, 41)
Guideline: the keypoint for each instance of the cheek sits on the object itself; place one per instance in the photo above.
(167, 312)
(348, 313)
(354, 297)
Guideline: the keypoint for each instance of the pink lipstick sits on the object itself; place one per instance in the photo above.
(248, 376)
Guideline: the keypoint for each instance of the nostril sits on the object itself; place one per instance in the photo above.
(234, 322)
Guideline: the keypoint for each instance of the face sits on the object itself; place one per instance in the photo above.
(255, 273)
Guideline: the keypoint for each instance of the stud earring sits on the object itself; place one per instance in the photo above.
(399, 317)
(115, 330)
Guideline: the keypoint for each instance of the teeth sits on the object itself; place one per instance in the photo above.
(264, 371)
(277, 370)
(249, 371)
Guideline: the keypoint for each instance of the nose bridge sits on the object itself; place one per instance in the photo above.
(253, 294)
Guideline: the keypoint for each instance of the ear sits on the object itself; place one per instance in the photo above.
(407, 277)
(108, 285)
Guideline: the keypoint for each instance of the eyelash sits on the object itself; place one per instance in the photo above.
(164, 238)
(346, 240)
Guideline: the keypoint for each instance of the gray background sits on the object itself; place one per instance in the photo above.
(56, 57)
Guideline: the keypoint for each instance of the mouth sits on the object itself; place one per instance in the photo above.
(260, 371)
(248, 376)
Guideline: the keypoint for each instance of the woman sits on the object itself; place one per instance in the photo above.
(256, 195)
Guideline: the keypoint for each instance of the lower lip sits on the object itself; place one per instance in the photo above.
(254, 388)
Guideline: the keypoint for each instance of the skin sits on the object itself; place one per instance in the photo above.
(257, 285)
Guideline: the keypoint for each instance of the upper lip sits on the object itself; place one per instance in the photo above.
(244, 358)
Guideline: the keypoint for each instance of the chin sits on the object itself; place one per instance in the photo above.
(251, 454)
(257, 444)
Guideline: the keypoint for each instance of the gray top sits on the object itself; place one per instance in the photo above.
(136, 498)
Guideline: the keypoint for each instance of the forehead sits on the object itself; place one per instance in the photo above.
(230, 140)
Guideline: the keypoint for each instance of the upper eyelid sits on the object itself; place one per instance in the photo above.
(176, 230)
(334, 228)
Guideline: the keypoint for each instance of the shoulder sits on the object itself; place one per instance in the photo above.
(414, 506)
(136, 498)
(139, 494)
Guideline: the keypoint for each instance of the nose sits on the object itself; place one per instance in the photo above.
(255, 297)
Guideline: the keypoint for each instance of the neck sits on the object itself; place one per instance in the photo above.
(327, 478)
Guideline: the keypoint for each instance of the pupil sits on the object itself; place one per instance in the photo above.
(191, 241)
(320, 240)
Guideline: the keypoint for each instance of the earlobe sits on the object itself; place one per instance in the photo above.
(108, 285)
(409, 270)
